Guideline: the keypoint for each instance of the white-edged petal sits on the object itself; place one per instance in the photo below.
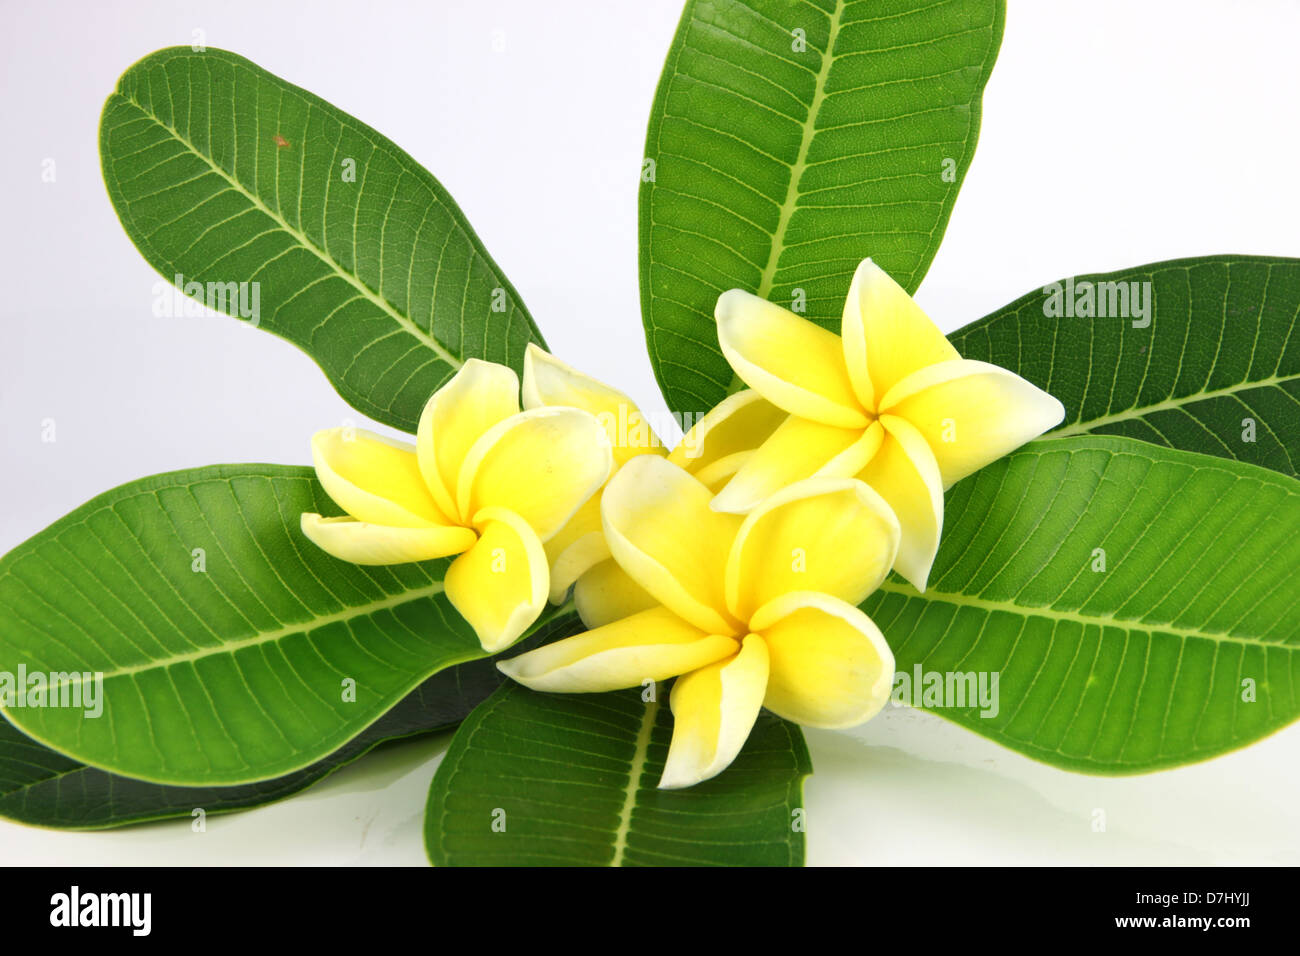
(886, 335)
(794, 363)
(363, 543)
(971, 413)
(714, 709)
(798, 449)
(829, 664)
(833, 535)
(542, 464)
(906, 476)
(661, 531)
(550, 382)
(500, 584)
(653, 645)
(605, 593)
(735, 427)
(374, 478)
(576, 548)
(478, 396)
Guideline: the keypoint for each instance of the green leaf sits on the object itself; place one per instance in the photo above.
(570, 779)
(223, 173)
(224, 637)
(783, 158)
(44, 788)
(1185, 646)
(1217, 370)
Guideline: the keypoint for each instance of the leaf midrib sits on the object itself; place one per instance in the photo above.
(230, 647)
(640, 756)
(302, 239)
(1169, 404)
(1084, 620)
(768, 276)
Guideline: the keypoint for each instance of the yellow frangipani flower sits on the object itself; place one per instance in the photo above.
(888, 400)
(712, 450)
(484, 481)
(749, 612)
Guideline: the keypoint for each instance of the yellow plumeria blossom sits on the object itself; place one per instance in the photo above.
(484, 481)
(749, 612)
(888, 400)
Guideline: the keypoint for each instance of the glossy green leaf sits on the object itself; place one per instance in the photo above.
(1139, 603)
(223, 173)
(1213, 366)
(790, 141)
(45, 788)
(228, 643)
(42, 787)
(570, 780)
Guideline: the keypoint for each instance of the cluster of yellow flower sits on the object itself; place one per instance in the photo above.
(734, 564)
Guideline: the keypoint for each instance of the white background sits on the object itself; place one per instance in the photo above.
(1114, 133)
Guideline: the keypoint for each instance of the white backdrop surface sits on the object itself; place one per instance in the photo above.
(1114, 133)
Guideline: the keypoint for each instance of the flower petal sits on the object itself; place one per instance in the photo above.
(374, 478)
(477, 397)
(797, 450)
(716, 475)
(550, 382)
(792, 362)
(906, 475)
(737, 425)
(714, 709)
(972, 413)
(575, 548)
(886, 334)
(363, 543)
(606, 593)
(499, 585)
(651, 646)
(830, 665)
(542, 464)
(833, 535)
(660, 529)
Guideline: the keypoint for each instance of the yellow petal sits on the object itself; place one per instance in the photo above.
(792, 362)
(363, 543)
(797, 450)
(833, 535)
(499, 585)
(905, 474)
(661, 531)
(651, 646)
(548, 381)
(972, 413)
(737, 425)
(714, 709)
(575, 548)
(830, 665)
(477, 397)
(606, 593)
(542, 464)
(374, 479)
(886, 335)
(716, 475)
